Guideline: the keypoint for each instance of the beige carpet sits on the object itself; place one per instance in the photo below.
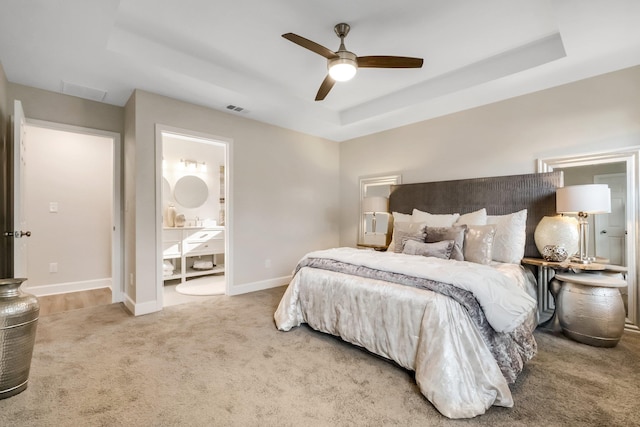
(221, 362)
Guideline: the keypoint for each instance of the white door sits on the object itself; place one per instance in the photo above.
(610, 229)
(20, 230)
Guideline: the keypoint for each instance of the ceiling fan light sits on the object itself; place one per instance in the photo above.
(342, 69)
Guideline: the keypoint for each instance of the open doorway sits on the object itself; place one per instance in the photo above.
(70, 193)
(194, 252)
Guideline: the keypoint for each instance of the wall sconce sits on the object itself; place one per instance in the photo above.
(194, 165)
(584, 200)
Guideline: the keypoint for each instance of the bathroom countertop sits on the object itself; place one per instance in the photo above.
(191, 227)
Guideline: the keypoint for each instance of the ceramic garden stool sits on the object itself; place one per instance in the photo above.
(591, 310)
(18, 320)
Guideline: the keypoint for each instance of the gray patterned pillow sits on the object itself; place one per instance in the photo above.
(403, 231)
(478, 241)
(455, 233)
(439, 249)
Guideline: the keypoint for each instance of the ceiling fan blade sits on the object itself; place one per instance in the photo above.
(389, 62)
(312, 46)
(325, 87)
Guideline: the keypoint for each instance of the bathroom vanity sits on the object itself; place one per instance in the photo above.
(192, 251)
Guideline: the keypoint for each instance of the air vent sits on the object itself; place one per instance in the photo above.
(83, 91)
(236, 109)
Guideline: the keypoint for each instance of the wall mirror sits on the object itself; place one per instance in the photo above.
(374, 186)
(613, 236)
(191, 191)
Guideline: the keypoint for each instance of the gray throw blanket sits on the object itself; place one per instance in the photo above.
(510, 350)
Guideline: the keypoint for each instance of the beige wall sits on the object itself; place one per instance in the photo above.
(74, 171)
(284, 198)
(54, 107)
(503, 138)
(291, 191)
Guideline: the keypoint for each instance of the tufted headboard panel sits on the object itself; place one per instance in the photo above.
(499, 195)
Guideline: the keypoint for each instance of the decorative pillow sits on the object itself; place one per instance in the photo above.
(439, 249)
(397, 217)
(434, 220)
(478, 242)
(510, 238)
(438, 234)
(403, 231)
(478, 217)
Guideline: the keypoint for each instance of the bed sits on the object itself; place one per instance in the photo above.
(459, 312)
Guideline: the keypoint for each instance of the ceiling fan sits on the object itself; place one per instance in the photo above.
(342, 65)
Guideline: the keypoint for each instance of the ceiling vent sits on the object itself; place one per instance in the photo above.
(83, 91)
(236, 109)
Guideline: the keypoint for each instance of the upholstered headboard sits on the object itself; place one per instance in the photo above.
(499, 195)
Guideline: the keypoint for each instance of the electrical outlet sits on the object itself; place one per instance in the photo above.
(267, 263)
(53, 267)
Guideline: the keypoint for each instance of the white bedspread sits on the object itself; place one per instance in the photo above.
(418, 329)
(506, 306)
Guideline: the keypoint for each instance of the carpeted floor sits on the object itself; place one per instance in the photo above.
(221, 362)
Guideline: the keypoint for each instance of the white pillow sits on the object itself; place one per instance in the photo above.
(510, 238)
(400, 217)
(478, 217)
(434, 220)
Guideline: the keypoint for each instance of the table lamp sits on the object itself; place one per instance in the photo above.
(372, 205)
(583, 200)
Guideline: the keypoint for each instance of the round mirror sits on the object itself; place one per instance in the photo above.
(191, 191)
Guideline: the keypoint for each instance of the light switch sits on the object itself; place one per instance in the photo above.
(53, 207)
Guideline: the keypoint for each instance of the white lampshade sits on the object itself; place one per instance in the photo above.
(588, 198)
(375, 204)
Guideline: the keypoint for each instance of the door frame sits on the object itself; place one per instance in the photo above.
(631, 157)
(117, 252)
(597, 219)
(228, 204)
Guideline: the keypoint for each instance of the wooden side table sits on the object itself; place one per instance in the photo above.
(545, 273)
(380, 248)
(590, 308)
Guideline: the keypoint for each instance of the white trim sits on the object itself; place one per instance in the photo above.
(631, 157)
(117, 251)
(139, 309)
(228, 205)
(259, 286)
(65, 288)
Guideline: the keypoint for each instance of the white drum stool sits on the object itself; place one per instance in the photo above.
(591, 310)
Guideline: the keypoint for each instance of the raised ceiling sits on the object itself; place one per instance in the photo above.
(230, 52)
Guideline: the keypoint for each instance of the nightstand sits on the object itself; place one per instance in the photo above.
(380, 248)
(590, 308)
(545, 273)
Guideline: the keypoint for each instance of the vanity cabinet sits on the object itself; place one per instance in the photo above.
(192, 251)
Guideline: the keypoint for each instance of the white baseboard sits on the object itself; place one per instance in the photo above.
(140, 309)
(258, 286)
(65, 288)
(152, 307)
